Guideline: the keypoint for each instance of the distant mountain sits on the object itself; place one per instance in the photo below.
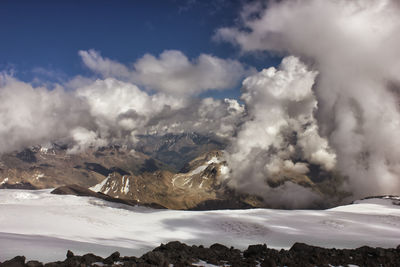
(202, 185)
(176, 150)
(46, 167)
(53, 167)
(199, 188)
(184, 171)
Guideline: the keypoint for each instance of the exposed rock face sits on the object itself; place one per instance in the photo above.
(176, 150)
(178, 254)
(201, 187)
(53, 167)
(18, 185)
(47, 167)
(138, 175)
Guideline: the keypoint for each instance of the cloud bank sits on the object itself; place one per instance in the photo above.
(354, 47)
(85, 112)
(30, 116)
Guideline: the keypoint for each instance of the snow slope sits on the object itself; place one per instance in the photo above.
(43, 226)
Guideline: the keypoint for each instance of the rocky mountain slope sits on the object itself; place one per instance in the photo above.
(175, 171)
(201, 185)
(176, 150)
(198, 186)
(55, 165)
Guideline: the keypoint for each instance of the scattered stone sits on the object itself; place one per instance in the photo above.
(181, 255)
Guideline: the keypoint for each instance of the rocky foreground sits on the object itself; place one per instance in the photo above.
(178, 254)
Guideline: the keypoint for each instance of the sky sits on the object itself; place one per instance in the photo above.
(42, 38)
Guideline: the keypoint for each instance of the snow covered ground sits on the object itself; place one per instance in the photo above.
(43, 226)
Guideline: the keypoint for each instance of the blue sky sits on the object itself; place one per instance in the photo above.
(42, 38)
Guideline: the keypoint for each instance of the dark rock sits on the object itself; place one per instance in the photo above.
(27, 155)
(112, 258)
(20, 185)
(368, 251)
(18, 261)
(34, 264)
(69, 254)
(97, 168)
(73, 261)
(222, 204)
(301, 248)
(179, 254)
(219, 248)
(55, 264)
(91, 258)
(155, 257)
(255, 251)
(175, 245)
(268, 262)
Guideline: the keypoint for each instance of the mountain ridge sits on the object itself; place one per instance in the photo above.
(202, 181)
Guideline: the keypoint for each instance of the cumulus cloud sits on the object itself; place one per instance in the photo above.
(171, 72)
(354, 47)
(122, 111)
(94, 113)
(280, 134)
(206, 116)
(31, 115)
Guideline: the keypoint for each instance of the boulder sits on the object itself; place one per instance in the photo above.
(18, 261)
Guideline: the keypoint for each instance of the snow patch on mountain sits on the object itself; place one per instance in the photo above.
(125, 188)
(203, 167)
(5, 180)
(98, 187)
(38, 176)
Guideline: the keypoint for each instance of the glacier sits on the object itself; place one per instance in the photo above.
(43, 226)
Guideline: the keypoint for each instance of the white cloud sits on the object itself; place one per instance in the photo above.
(31, 115)
(354, 47)
(280, 132)
(172, 72)
(102, 112)
(104, 66)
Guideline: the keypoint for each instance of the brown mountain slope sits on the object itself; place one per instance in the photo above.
(174, 190)
(121, 173)
(47, 168)
(200, 185)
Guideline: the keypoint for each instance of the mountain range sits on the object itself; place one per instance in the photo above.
(181, 171)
